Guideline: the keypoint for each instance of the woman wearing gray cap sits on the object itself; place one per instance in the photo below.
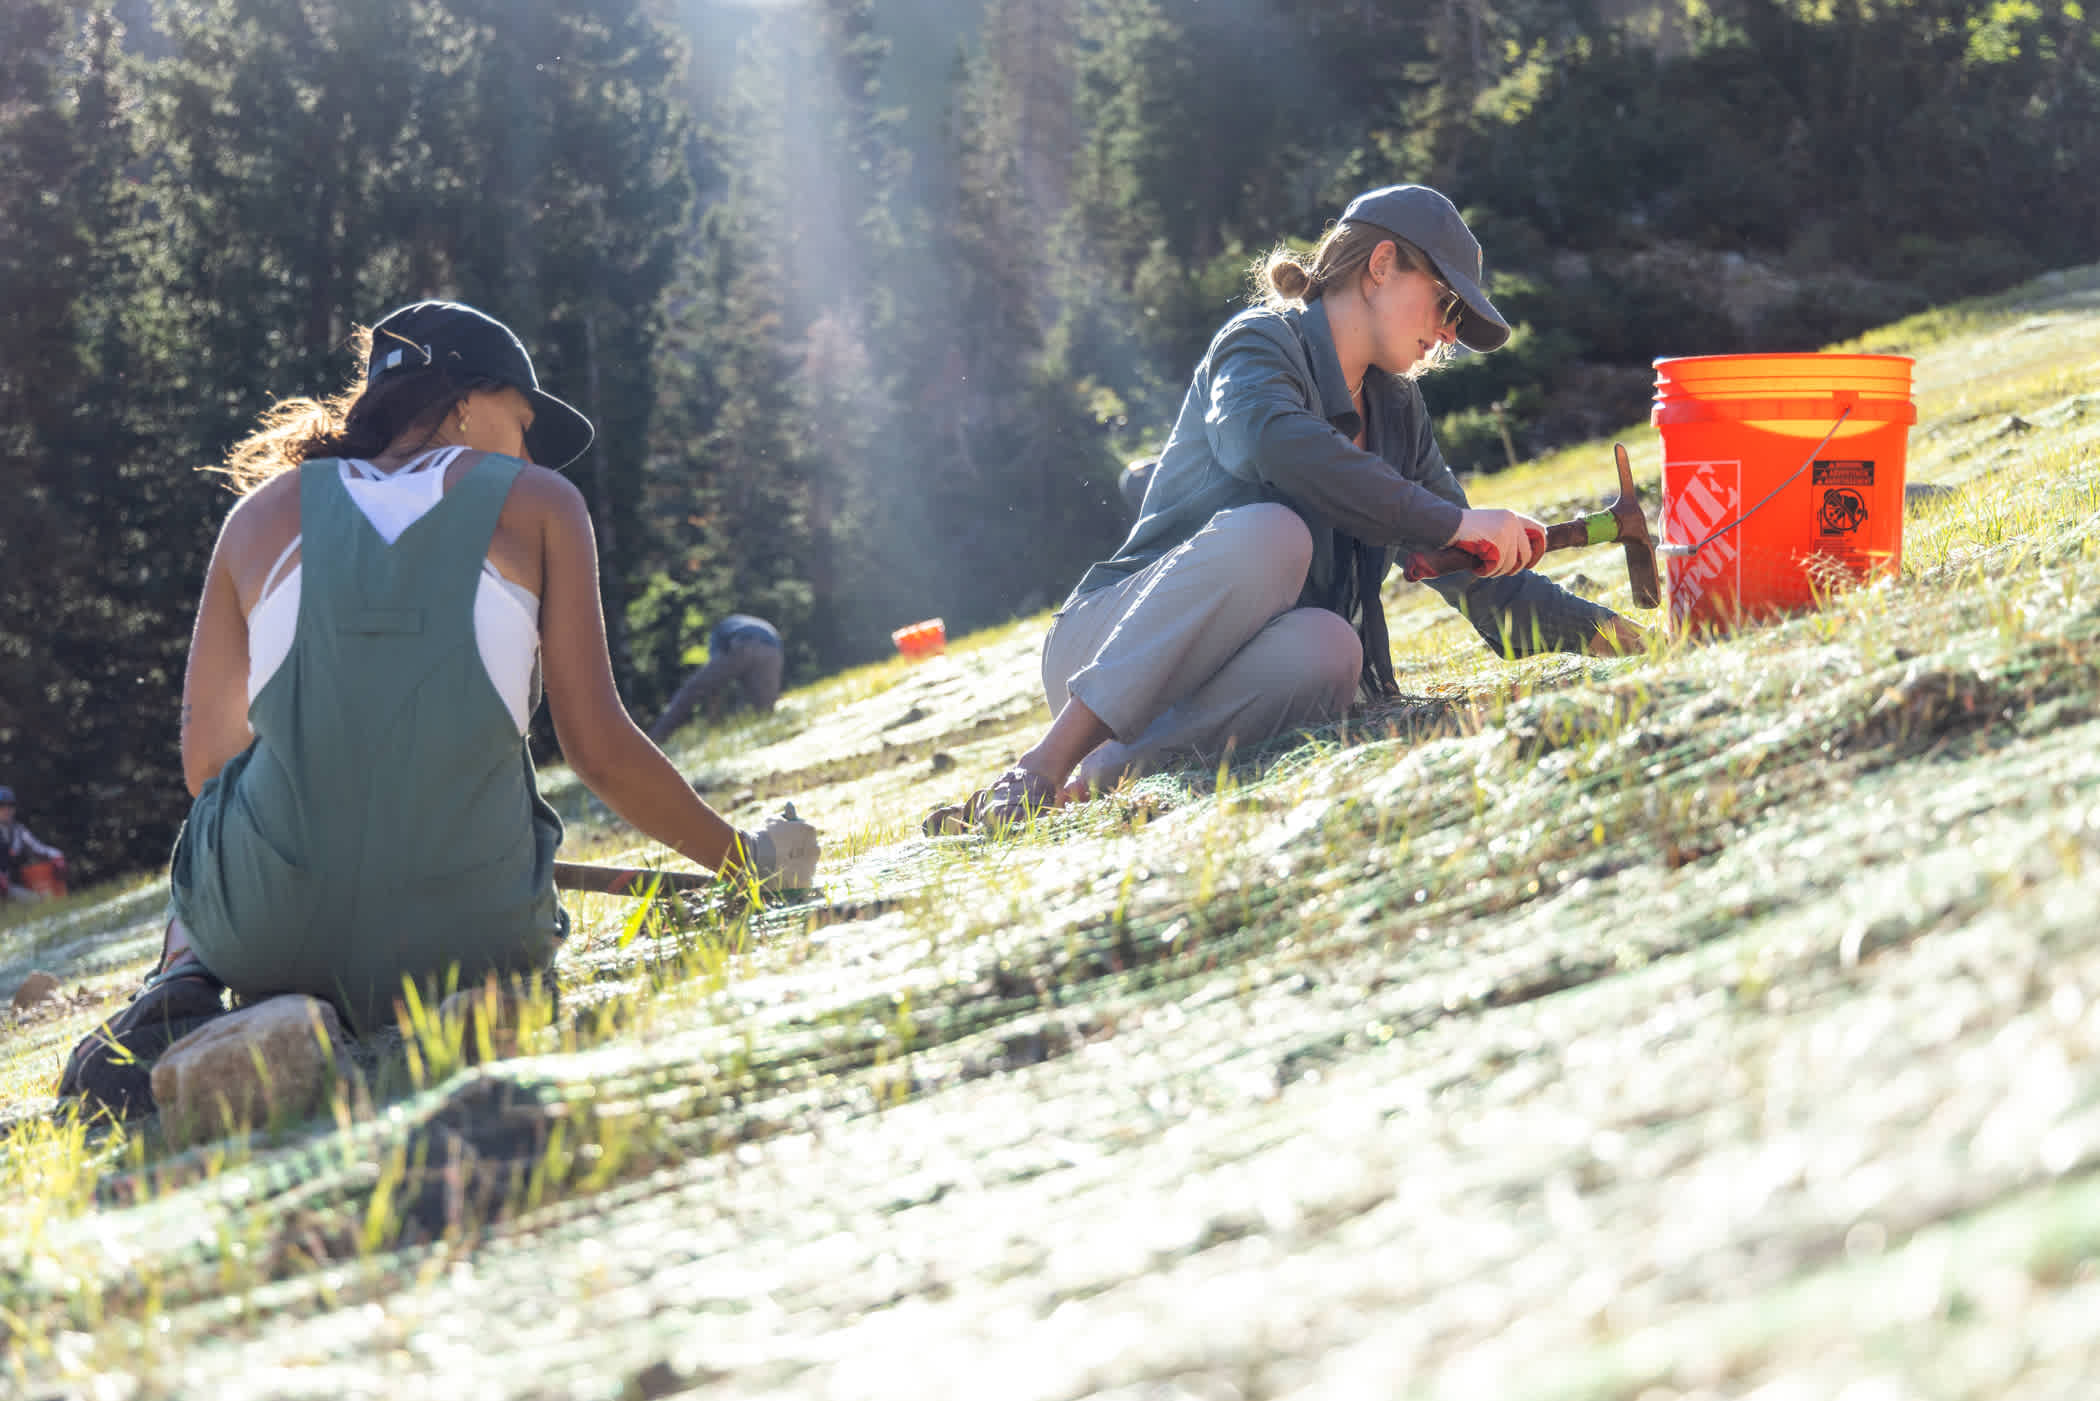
(405, 570)
(1245, 600)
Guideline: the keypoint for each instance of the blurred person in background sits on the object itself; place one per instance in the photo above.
(30, 870)
(744, 657)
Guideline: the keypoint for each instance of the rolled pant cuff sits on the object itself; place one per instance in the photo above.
(1124, 727)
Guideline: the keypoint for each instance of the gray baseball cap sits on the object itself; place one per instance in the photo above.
(1432, 223)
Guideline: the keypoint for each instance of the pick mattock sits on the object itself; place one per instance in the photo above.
(1622, 522)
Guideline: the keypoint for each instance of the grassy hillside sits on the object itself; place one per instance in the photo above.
(1712, 1020)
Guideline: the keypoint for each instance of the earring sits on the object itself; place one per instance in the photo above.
(463, 421)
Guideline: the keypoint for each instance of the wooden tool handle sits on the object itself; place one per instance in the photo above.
(626, 880)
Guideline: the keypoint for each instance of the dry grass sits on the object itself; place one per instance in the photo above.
(1478, 849)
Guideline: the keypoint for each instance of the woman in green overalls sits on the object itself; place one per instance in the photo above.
(405, 570)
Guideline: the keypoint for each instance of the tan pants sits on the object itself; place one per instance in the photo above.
(1204, 648)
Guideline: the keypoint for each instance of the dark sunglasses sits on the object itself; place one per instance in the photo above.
(1449, 305)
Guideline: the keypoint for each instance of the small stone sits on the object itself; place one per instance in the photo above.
(38, 988)
(942, 761)
(275, 1060)
(658, 1379)
(499, 1004)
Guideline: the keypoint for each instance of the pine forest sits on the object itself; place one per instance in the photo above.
(871, 300)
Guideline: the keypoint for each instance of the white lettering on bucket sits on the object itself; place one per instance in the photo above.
(1702, 497)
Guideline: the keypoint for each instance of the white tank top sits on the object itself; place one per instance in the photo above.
(506, 615)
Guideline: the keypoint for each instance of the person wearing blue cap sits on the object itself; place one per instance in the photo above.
(404, 573)
(744, 659)
(21, 854)
(1245, 600)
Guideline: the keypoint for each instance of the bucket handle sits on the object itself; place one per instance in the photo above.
(1678, 551)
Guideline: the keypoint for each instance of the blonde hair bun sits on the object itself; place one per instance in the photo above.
(1287, 276)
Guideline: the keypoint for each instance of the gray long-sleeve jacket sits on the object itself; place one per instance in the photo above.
(1268, 417)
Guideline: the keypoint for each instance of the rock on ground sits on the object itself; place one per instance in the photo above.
(272, 1061)
(39, 987)
(492, 1005)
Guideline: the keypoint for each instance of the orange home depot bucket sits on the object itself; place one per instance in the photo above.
(44, 879)
(922, 639)
(1782, 479)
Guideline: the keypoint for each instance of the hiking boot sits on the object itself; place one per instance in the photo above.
(111, 1070)
(1014, 798)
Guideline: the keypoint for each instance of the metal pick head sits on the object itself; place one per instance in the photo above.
(787, 813)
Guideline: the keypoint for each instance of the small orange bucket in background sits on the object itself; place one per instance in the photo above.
(921, 640)
(44, 879)
(1782, 479)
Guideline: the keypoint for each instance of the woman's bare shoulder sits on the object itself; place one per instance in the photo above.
(544, 490)
(266, 510)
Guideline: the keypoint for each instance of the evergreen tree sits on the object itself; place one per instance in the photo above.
(296, 168)
(569, 168)
(734, 474)
(103, 539)
(775, 471)
(1031, 485)
(1210, 132)
(298, 185)
(879, 393)
(40, 364)
(318, 158)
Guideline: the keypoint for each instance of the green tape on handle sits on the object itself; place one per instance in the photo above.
(1603, 528)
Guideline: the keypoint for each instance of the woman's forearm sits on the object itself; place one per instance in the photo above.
(633, 778)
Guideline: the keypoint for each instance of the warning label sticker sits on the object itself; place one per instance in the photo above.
(1842, 511)
(1843, 474)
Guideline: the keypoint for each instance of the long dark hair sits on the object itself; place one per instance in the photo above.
(360, 421)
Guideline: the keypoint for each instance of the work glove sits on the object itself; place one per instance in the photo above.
(782, 855)
(1503, 541)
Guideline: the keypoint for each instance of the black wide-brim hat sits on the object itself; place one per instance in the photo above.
(474, 345)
